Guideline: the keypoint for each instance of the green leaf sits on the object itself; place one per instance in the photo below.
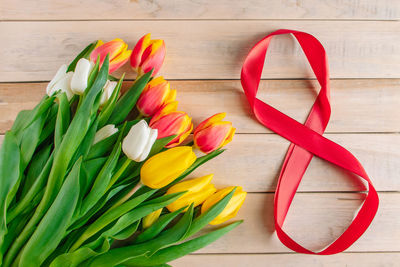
(50, 124)
(174, 252)
(78, 257)
(102, 180)
(85, 53)
(9, 175)
(171, 236)
(26, 117)
(36, 167)
(205, 218)
(24, 204)
(101, 148)
(158, 226)
(63, 119)
(109, 216)
(50, 230)
(128, 100)
(109, 106)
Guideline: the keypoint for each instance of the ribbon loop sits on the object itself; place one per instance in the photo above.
(307, 141)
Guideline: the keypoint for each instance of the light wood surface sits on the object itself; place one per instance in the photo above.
(290, 260)
(200, 9)
(206, 45)
(212, 49)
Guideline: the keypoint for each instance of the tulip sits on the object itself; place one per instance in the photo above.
(163, 168)
(61, 82)
(231, 208)
(156, 94)
(150, 219)
(118, 53)
(147, 55)
(80, 77)
(213, 133)
(170, 122)
(104, 133)
(198, 190)
(107, 91)
(138, 142)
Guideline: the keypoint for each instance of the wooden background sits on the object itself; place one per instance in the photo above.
(206, 44)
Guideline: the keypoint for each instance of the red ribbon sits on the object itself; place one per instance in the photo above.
(307, 141)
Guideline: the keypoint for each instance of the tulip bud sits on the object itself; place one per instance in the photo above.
(147, 55)
(213, 133)
(107, 91)
(231, 208)
(163, 168)
(198, 190)
(104, 133)
(156, 94)
(150, 219)
(138, 142)
(80, 78)
(61, 82)
(169, 122)
(118, 53)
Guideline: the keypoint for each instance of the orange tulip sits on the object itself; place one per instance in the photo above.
(147, 55)
(156, 94)
(170, 122)
(213, 133)
(117, 50)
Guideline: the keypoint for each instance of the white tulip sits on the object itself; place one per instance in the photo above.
(107, 91)
(104, 132)
(80, 78)
(139, 141)
(61, 82)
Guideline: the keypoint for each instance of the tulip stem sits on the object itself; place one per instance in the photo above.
(139, 116)
(118, 174)
(127, 196)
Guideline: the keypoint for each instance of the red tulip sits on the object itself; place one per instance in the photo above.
(213, 133)
(170, 122)
(117, 50)
(147, 55)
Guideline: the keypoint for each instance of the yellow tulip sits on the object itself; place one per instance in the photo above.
(231, 208)
(163, 168)
(151, 218)
(198, 190)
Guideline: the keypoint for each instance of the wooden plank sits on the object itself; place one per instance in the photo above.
(376, 102)
(314, 220)
(290, 260)
(254, 162)
(202, 9)
(205, 49)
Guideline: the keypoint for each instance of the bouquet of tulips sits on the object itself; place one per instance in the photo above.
(95, 177)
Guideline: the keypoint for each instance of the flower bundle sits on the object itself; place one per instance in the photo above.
(84, 184)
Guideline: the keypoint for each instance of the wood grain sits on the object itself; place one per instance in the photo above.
(200, 9)
(290, 260)
(314, 220)
(357, 105)
(205, 49)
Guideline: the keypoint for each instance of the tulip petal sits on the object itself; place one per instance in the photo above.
(59, 74)
(153, 57)
(135, 142)
(137, 52)
(210, 121)
(149, 145)
(104, 132)
(64, 85)
(80, 78)
(107, 91)
(213, 137)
